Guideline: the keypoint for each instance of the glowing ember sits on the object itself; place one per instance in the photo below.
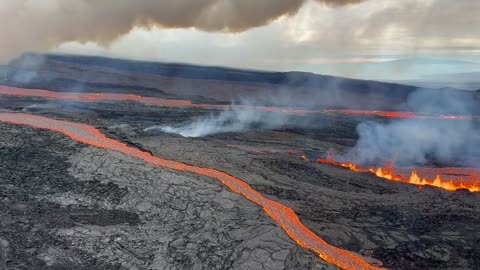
(470, 182)
(284, 216)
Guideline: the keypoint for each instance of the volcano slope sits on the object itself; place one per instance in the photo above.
(68, 205)
(71, 206)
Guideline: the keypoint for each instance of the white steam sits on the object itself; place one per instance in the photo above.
(411, 141)
(405, 141)
(227, 121)
(416, 141)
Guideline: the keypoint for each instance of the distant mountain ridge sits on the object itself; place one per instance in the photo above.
(217, 84)
(190, 71)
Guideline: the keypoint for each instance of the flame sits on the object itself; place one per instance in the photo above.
(155, 101)
(282, 215)
(472, 183)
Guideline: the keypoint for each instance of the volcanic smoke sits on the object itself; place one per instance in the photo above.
(284, 216)
(155, 101)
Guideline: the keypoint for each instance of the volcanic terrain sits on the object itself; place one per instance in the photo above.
(85, 183)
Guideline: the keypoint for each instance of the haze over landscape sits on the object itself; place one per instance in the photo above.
(240, 134)
(425, 42)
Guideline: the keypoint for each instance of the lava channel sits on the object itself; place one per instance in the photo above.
(95, 97)
(155, 101)
(282, 215)
(469, 182)
(404, 115)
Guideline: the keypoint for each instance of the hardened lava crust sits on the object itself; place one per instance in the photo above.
(67, 205)
(70, 203)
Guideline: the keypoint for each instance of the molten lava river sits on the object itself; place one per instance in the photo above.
(94, 97)
(283, 216)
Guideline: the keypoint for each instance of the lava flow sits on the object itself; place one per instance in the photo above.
(470, 182)
(284, 216)
(92, 97)
(95, 97)
(404, 115)
(376, 113)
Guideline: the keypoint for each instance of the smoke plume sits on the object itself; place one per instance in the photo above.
(227, 121)
(39, 25)
(246, 117)
(416, 141)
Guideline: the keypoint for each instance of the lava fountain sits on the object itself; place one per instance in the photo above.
(470, 182)
(285, 217)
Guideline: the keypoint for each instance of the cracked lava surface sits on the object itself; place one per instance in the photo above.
(283, 216)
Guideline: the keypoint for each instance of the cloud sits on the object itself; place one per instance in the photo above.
(328, 37)
(39, 25)
(432, 24)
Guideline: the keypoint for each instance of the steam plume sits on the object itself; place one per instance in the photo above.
(39, 25)
(227, 121)
(413, 142)
(416, 142)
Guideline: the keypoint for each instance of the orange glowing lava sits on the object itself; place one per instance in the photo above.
(404, 115)
(283, 216)
(155, 101)
(261, 151)
(469, 182)
(94, 97)
(376, 113)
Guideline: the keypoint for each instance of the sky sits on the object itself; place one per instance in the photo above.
(372, 39)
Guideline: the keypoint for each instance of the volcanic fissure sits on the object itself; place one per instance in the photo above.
(471, 182)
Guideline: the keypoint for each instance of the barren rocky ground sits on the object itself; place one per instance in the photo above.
(65, 205)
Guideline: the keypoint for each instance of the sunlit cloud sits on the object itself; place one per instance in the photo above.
(313, 37)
